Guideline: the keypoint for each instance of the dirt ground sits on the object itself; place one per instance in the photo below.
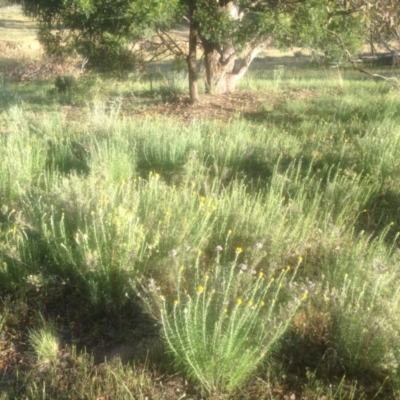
(17, 36)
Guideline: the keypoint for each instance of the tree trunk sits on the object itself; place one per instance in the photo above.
(223, 68)
(216, 70)
(192, 59)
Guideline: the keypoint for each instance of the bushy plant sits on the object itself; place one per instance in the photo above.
(224, 321)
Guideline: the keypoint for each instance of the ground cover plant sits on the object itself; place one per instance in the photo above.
(252, 254)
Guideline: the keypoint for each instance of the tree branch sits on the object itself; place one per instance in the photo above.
(172, 45)
(350, 59)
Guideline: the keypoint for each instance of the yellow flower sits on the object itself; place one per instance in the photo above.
(200, 289)
(304, 296)
(288, 268)
(260, 274)
(262, 304)
(239, 250)
(249, 303)
(229, 231)
(300, 259)
(272, 279)
(239, 301)
(176, 302)
(206, 277)
(225, 310)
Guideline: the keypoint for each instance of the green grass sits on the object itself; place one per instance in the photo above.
(257, 249)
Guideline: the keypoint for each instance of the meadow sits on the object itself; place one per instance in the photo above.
(245, 253)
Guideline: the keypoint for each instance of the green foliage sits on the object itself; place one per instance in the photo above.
(103, 31)
(44, 343)
(205, 214)
(99, 30)
(220, 330)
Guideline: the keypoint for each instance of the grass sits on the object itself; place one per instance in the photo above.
(260, 252)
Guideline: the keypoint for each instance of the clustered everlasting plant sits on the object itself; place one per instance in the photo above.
(226, 321)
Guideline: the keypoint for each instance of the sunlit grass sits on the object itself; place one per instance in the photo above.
(185, 221)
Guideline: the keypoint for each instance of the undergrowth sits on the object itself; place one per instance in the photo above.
(245, 243)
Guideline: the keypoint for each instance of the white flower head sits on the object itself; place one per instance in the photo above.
(173, 253)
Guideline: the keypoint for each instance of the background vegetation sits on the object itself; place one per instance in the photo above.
(151, 250)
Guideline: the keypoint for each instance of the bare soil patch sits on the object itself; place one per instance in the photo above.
(241, 104)
(17, 36)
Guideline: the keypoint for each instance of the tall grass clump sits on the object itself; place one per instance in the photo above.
(92, 234)
(44, 342)
(224, 321)
(22, 157)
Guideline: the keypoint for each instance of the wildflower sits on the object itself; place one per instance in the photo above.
(253, 271)
(239, 301)
(261, 274)
(258, 246)
(288, 268)
(262, 303)
(272, 279)
(304, 296)
(225, 310)
(173, 253)
(200, 289)
(206, 277)
(249, 303)
(218, 248)
(243, 267)
(239, 250)
(300, 259)
(229, 231)
(176, 302)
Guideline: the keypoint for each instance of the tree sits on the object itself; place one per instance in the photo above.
(229, 32)
(384, 24)
(100, 30)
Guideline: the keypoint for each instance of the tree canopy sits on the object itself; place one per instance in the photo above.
(228, 32)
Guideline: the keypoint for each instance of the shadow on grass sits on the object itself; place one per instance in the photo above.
(311, 360)
(355, 116)
(382, 214)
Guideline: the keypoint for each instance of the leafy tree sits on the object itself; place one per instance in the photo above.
(229, 32)
(101, 30)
